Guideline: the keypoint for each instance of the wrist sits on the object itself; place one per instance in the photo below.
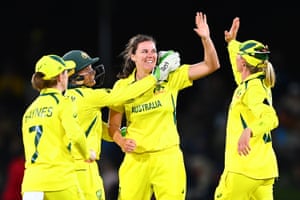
(249, 131)
(117, 137)
(204, 39)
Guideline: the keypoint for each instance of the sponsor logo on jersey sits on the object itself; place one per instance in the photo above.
(146, 106)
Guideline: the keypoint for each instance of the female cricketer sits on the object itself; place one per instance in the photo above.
(153, 162)
(250, 162)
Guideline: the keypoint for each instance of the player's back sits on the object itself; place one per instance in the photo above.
(46, 145)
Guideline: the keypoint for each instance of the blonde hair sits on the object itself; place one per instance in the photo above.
(266, 67)
(270, 79)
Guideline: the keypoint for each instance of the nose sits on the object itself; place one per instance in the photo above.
(151, 53)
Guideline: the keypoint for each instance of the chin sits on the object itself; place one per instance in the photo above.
(150, 68)
(91, 84)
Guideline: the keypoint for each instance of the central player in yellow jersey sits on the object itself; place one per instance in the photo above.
(90, 100)
(153, 162)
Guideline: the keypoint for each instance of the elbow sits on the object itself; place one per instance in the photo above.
(217, 66)
(276, 122)
(273, 124)
(213, 63)
(214, 66)
(274, 119)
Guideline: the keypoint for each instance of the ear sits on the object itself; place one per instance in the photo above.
(132, 57)
(60, 77)
(244, 63)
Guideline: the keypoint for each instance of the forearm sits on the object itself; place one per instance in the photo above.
(123, 94)
(267, 121)
(118, 138)
(81, 145)
(210, 54)
(115, 133)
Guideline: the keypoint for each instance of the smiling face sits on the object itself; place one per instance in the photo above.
(145, 58)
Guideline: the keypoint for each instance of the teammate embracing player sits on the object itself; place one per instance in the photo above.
(89, 102)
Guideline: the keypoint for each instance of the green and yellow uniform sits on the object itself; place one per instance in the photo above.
(251, 106)
(50, 131)
(157, 163)
(89, 103)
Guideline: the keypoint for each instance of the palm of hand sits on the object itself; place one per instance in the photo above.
(202, 28)
(232, 33)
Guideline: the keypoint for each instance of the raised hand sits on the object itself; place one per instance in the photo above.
(202, 28)
(232, 33)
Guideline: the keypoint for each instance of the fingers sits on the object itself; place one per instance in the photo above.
(232, 33)
(243, 143)
(236, 21)
(200, 18)
(204, 18)
(201, 28)
(243, 149)
(197, 19)
(235, 27)
(227, 36)
(129, 146)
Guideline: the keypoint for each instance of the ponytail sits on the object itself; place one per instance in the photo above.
(270, 75)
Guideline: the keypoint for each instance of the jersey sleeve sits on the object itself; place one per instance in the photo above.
(122, 93)
(233, 48)
(179, 79)
(73, 129)
(105, 133)
(261, 114)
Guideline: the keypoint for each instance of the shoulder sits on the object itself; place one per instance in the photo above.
(124, 81)
(257, 82)
(256, 90)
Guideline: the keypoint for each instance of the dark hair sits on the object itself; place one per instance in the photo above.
(131, 47)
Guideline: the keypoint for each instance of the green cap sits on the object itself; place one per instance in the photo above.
(81, 58)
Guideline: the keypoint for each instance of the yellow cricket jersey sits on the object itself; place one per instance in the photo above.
(151, 118)
(90, 102)
(251, 106)
(50, 131)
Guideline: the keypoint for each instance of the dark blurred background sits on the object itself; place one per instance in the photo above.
(30, 29)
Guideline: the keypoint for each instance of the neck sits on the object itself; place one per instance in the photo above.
(245, 73)
(139, 76)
